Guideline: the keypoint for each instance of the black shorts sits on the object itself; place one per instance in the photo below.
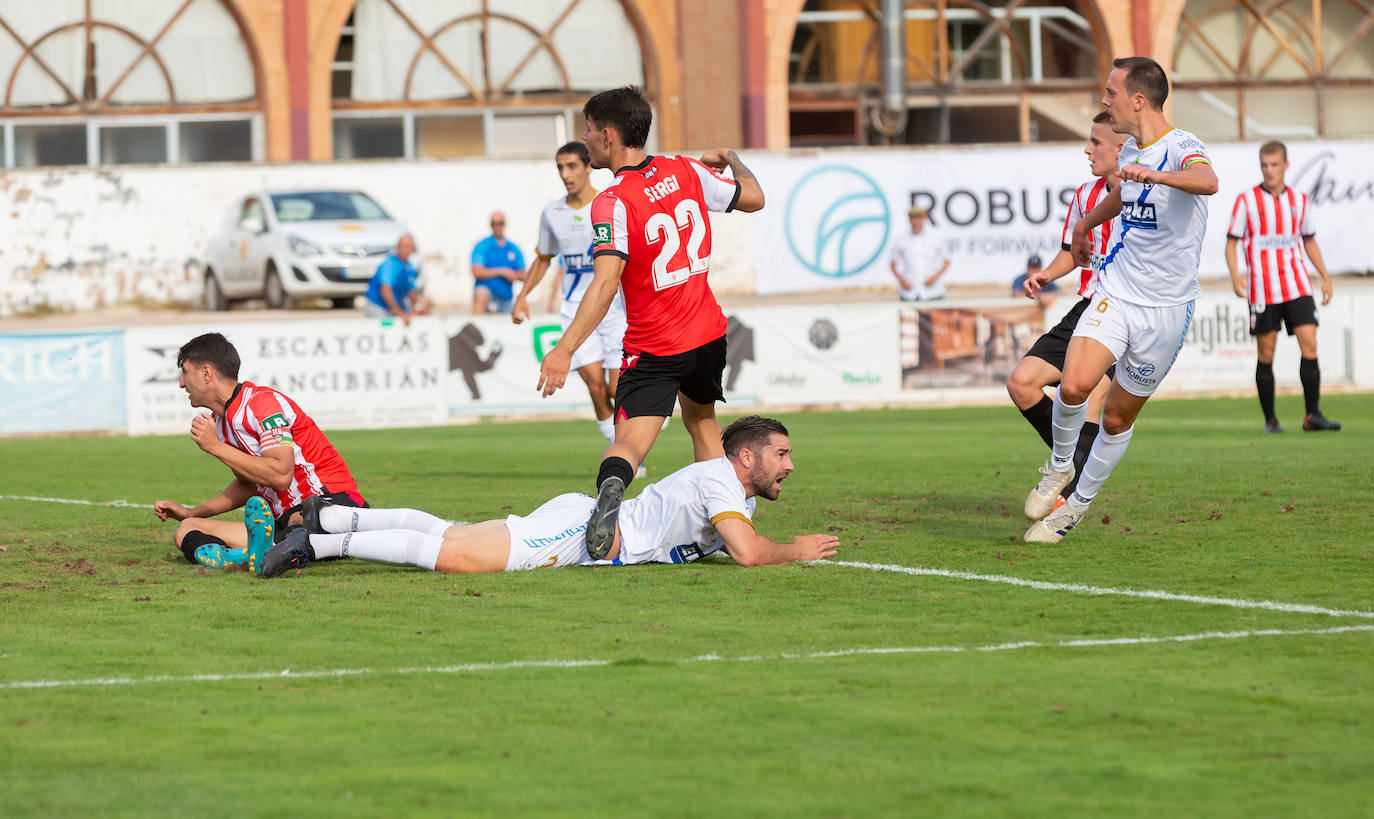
(334, 498)
(650, 383)
(1293, 313)
(1053, 346)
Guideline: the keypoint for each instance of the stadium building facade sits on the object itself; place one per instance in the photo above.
(99, 82)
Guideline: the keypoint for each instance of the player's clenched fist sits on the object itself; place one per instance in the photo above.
(203, 432)
(165, 509)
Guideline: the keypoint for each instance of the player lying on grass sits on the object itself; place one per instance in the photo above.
(696, 511)
(278, 455)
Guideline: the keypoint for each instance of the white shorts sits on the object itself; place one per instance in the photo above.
(1145, 340)
(605, 343)
(555, 534)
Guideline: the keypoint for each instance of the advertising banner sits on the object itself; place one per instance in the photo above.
(492, 366)
(832, 218)
(346, 374)
(970, 346)
(813, 354)
(67, 382)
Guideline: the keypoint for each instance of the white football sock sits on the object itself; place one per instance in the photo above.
(397, 547)
(1106, 453)
(1067, 423)
(339, 519)
(607, 427)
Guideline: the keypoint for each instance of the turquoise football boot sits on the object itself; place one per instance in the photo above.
(217, 556)
(257, 518)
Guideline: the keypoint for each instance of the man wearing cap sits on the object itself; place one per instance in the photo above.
(918, 263)
(1047, 292)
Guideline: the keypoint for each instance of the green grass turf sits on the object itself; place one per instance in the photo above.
(1204, 504)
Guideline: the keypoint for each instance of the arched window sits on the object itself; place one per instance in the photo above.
(975, 72)
(1281, 68)
(467, 77)
(107, 82)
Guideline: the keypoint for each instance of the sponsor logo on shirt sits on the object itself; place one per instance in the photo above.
(1139, 215)
(1280, 242)
(601, 233)
(274, 422)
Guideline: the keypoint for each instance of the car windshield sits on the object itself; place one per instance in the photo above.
(313, 206)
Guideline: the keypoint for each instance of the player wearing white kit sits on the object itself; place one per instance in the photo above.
(1146, 287)
(565, 229)
(698, 510)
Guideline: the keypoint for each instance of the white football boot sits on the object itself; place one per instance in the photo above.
(1040, 501)
(1053, 527)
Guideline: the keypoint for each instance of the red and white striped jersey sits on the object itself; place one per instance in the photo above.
(257, 419)
(1087, 197)
(654, 217)
(1272, 228)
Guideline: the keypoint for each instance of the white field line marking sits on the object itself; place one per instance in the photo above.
(704, 658)
(1042, 585)
(78, 502)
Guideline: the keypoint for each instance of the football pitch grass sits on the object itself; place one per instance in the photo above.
(1200, 646)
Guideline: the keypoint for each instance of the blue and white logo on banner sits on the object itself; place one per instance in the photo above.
(837, 221)
(62, 382)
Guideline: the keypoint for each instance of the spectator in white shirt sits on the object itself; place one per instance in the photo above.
(917, 262)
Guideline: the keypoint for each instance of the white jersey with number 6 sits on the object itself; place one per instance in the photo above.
(1158, 237)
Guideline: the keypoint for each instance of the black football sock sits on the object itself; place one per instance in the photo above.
(1080, 455)
(1264, 382)
(614, 467)
(1040, 419)
(194, 539)
(1311, 376)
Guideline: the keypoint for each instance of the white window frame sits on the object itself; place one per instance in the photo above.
(168, 121)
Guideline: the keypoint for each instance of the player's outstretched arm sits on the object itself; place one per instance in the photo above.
(233, 496)
(1058, 268)
(520, 310)
(750, 192)
(553, 370)
(748, 548)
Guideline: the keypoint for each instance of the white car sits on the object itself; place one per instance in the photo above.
(285, 245)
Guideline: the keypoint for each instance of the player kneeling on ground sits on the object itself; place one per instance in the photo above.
(279, 458)
(696, 511)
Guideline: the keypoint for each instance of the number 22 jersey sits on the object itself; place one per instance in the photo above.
(654, 217)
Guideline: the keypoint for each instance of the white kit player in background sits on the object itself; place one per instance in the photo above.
(1146, 288)
(565, 229)
(701, 509)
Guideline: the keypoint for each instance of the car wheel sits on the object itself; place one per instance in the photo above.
(272, 291)
(342, 303)
(214, 293)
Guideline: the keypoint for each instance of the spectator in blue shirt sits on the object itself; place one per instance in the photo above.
(495, 264)
(1047, 294)
(392, 290)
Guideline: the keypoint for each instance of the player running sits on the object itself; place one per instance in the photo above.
(1041, 366)
(278, 455)
(1271, 218)
(651, 238)
(565, 228)
(698, 510)
(1144, 296)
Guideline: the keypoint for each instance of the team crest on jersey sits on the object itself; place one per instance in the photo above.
(601, 233)
(274, 421)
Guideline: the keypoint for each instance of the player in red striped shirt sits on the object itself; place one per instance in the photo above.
(651, 238)
(1275, 224)
(1043, 364)
(279, 457)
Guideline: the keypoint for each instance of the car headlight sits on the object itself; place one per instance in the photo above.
(303, 247)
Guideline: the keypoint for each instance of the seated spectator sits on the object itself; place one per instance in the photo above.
(392, 290)
(1046, 295)
(496, 263)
